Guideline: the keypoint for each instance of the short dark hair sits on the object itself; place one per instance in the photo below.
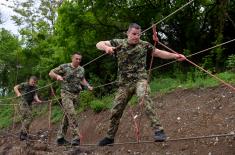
(33, 78)
(78, 53)
(134, 25)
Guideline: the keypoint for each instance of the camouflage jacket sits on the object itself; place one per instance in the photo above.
(131, 60)
(72, 77)
(27, 91)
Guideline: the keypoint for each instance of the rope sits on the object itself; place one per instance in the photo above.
(141, 103)
(28, 92)
(199, 52)
(60, 97)
(16, 79)
(65, 114)
(168, 16)
(168, 140)
(94, 59)
(222, 81)
(105, 84)
(231, 134)
(207, 49)
(49, 116)
(52, 82)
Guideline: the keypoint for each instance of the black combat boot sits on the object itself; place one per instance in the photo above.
(75, 142)
(159, 136)
(62, 141)
(106, 141)
(23, 136)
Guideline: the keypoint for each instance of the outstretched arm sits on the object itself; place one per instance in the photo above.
(55, 76)
(105, 46)
(85, 83)
(167, 55)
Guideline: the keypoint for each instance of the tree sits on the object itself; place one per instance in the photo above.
(9, 48)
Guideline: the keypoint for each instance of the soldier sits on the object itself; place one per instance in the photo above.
(27, 93)
(131, 59)
(72, 76)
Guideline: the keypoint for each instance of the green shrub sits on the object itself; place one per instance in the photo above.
(56, 114)
(231, 61)
(6, 115)
(97, 106)
(86, 97)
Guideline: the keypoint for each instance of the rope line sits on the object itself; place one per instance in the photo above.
(199, 52)
(9, 98)
(168, 16)
(222, 81)
(94, 59)
(231, 134)
(168, 140)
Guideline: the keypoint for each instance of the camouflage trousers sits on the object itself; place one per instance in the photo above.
(25, 112)
(69, 101)
(124, 94)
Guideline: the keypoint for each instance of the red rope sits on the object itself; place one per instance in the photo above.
(136, 126)
(141, 104)
(222, 81)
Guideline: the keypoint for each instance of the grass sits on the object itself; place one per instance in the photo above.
(6, 113)
(88, 100)
(56, 114)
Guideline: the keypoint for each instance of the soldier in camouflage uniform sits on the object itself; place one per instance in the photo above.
(132, 75)
(72, 77)
(27, 93)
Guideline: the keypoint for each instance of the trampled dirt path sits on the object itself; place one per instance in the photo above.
(183, 113)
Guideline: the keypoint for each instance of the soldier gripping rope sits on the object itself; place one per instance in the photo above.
(131, 59)
(26, 92)
(72, 77)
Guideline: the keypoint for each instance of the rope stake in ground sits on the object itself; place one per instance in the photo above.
(222, 81)
(49, 116)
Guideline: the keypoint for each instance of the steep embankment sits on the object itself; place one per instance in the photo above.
(184, 113)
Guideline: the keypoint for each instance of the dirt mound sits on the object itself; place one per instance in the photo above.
(183, 113)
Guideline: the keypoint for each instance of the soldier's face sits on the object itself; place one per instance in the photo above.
(32, 82)
(76, 59)
(133, 36)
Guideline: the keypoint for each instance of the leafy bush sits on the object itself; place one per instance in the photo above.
(57, 114)
(86, 97)
(231, 61)
(97, 106)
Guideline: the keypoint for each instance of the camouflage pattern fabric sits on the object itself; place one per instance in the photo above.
(132, 75)
(25, 112)
(69, 101)
(122, 97)
(131, 60)
(28, 90)
(72, 77)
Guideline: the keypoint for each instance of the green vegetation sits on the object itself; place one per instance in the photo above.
(49, 34)
(89, 101)
(6, 115)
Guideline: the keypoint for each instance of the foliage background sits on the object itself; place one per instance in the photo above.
(49, 31)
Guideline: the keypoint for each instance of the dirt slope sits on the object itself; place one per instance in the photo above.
(183, 113)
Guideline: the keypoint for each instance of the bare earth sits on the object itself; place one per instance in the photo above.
(183, 113)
